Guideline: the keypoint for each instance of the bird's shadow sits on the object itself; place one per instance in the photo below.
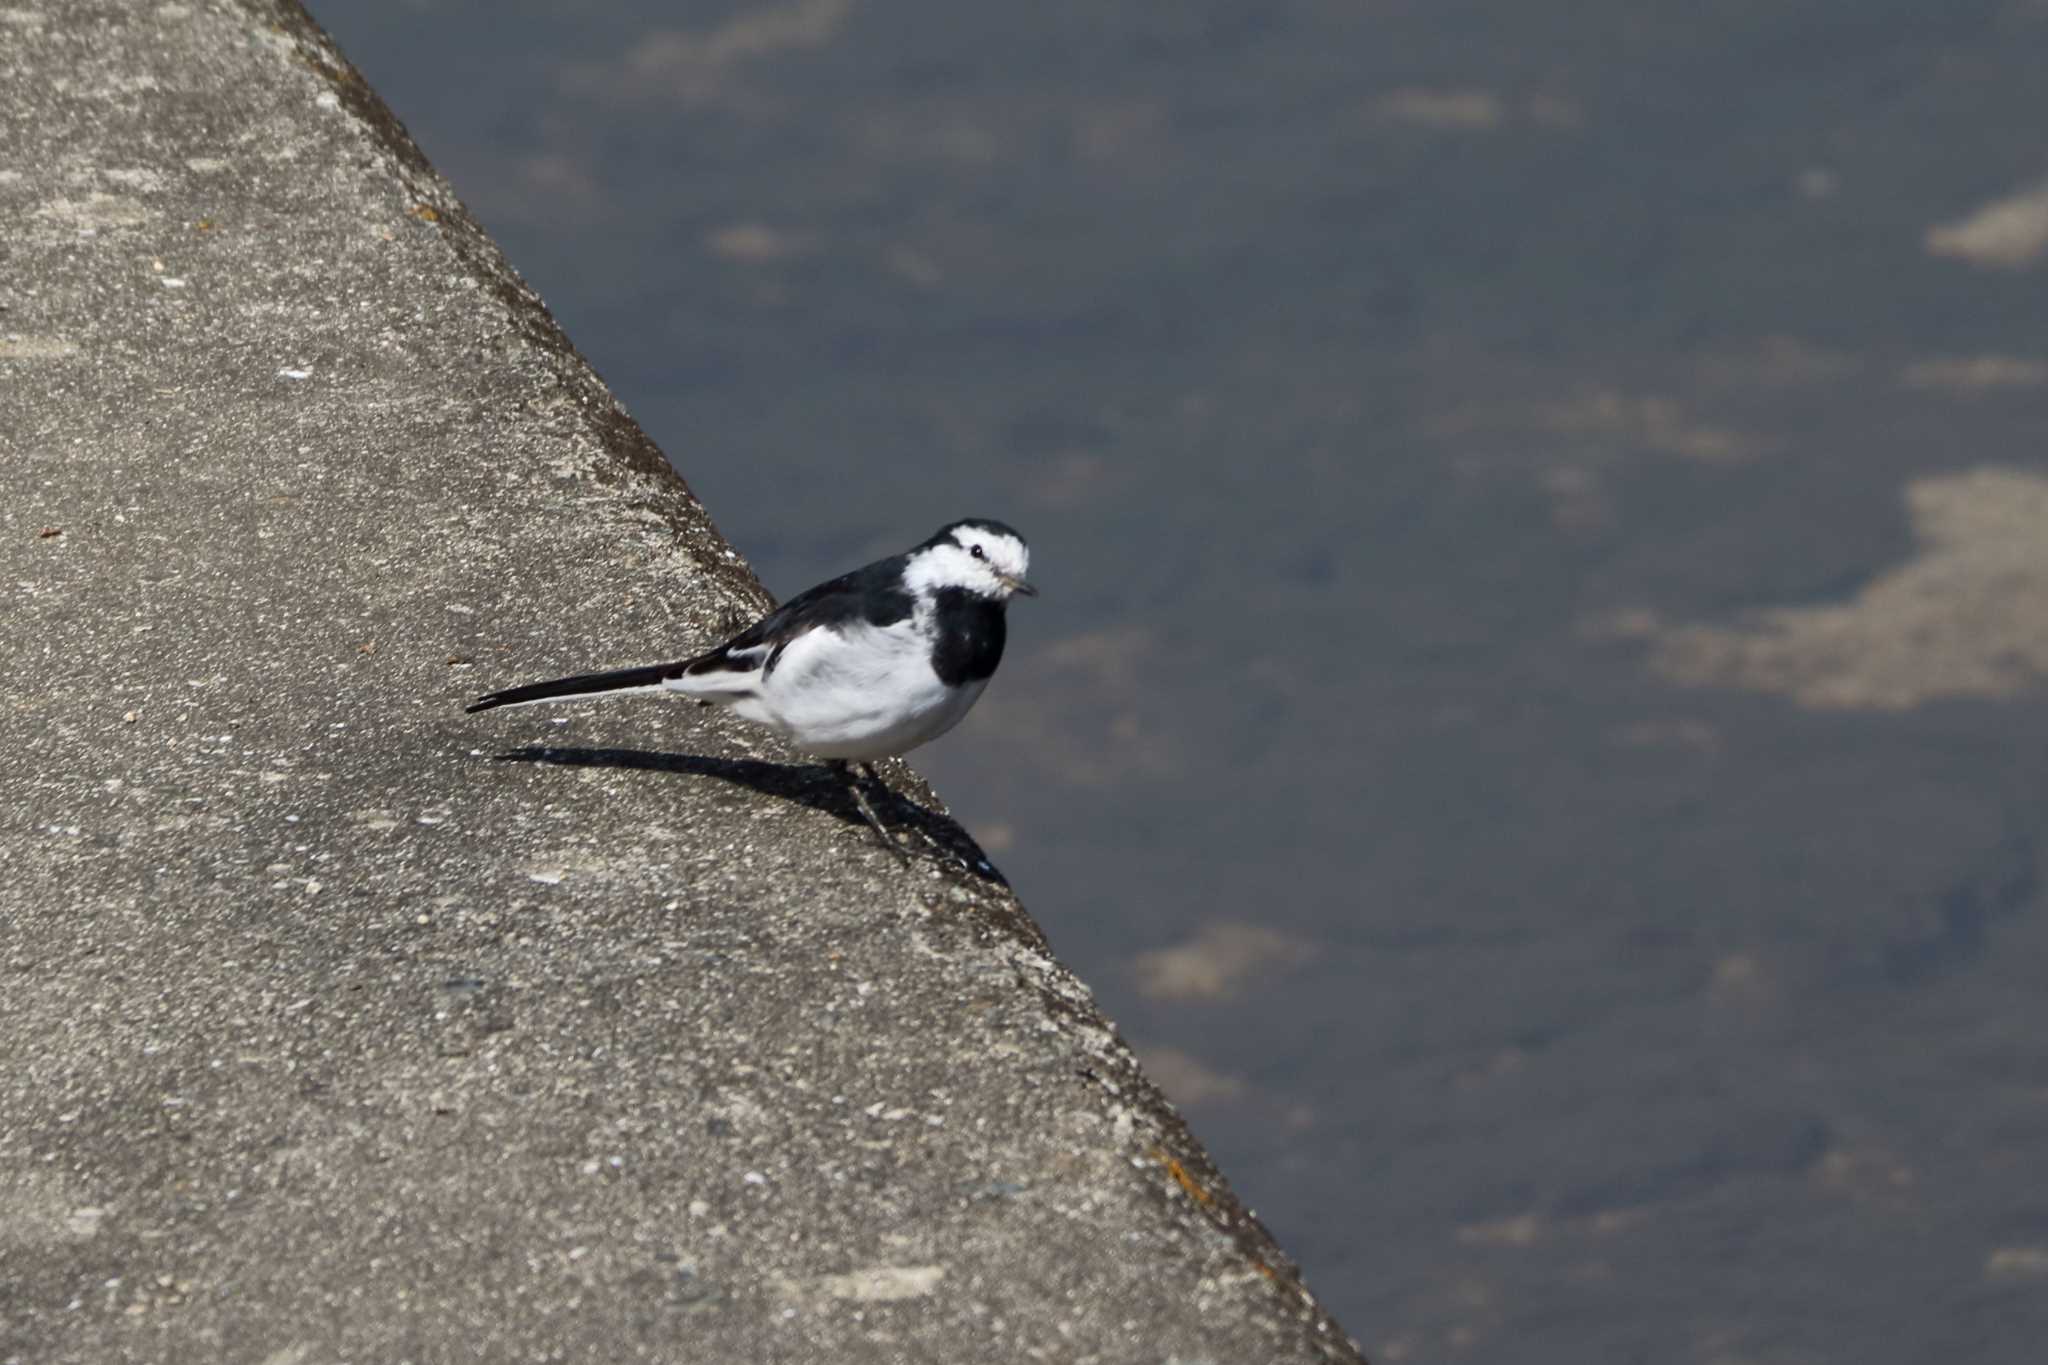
(812, 785)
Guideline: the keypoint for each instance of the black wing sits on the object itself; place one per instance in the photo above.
(873, 594)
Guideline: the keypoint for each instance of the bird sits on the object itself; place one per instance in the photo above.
(865, 666)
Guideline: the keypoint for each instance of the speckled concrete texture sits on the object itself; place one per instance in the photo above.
(336, 1025)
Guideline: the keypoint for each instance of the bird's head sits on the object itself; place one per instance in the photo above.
(983, 557)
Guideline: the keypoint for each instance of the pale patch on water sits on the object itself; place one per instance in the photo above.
(1472, 110)
(1777, 362)
(1965, 617)
(1188, 1080)
(692, 67)
(1974, 374)
(2005, 234)
(2017, 1262)
(755, 243)
(1466, 110)
(1653, 422)
(1221, 958)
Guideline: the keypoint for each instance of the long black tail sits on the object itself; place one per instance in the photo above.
(645, 679)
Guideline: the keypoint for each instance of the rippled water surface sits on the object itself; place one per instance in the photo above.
(1534, 725)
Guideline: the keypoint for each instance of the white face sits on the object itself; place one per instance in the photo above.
(980, 559)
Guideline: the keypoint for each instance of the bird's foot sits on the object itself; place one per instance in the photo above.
(932, 850)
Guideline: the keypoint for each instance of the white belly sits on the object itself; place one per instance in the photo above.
(866, 693)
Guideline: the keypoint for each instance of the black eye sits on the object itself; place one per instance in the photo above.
(975, 550)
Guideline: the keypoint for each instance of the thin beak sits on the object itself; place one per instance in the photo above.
(1018, 585)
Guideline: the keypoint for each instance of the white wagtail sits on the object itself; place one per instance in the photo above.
(867, 666)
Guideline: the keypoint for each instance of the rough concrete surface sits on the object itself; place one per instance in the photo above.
(328, 1035)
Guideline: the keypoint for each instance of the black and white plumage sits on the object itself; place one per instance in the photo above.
(869, 665)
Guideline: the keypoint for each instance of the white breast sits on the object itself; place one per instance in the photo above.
(859, 692)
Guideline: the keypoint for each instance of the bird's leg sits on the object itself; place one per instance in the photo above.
(847, 770)
(933, 850)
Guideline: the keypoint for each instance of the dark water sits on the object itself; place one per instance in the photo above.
(1534, 721)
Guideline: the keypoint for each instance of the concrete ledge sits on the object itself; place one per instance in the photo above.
(326, 1033)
